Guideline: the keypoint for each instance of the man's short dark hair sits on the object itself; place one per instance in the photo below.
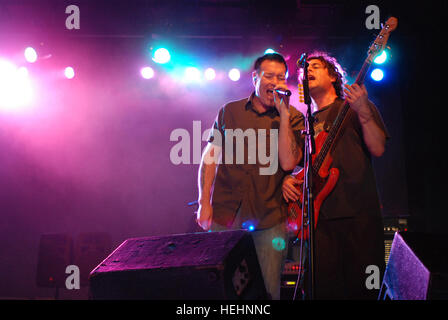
(272, 57)
(334, 70)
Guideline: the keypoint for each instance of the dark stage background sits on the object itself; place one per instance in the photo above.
(93, 154)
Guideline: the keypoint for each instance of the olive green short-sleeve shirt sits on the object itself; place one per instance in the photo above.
(249, 179)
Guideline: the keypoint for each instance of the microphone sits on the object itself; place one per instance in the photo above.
(283, 92)
(301, 62)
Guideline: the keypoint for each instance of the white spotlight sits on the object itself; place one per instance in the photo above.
(234, 74)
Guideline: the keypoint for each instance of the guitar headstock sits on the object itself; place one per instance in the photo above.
(381, 40)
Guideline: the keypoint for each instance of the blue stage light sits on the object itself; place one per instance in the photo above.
(381, 58)
(161, 56)
(377, 74)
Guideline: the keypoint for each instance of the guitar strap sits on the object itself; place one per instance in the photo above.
(331, 117)
(332, 114)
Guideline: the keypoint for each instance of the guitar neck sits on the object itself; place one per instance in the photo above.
(335, 130)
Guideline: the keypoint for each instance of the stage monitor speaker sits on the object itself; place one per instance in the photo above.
(417, 267)
(55, 254)
(194, 266)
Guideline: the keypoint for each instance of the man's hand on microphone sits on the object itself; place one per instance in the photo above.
(281, 101)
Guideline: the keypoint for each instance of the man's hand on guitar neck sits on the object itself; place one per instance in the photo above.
(373, 136)
(357, 98)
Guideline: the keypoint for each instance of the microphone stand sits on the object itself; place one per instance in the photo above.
(308, 205)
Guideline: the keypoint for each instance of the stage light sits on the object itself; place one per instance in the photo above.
(7, 70)
(248, 225)
(269, 51)
(210, 74)
(192, 74)
(69, 73)
(15, 87)
(147, 72)
(381, 58)
(377, 74)
(22, 72)
(278, 243)
(161, 56)
(30, 55)
(234, 74)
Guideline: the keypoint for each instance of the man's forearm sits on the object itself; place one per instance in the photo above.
(288, 150)
(374, 137)
(207, 173)
(205, 181)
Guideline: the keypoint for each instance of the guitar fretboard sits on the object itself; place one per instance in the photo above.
(333, 134)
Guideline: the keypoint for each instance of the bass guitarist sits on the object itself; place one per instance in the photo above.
(349, 231)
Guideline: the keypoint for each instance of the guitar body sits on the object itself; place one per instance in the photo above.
(324, 182)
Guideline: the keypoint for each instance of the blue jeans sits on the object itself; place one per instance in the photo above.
(271, 246)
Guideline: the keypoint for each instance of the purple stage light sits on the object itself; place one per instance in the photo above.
(192, 74)
(210, 74)
(234, 74)
(147, 72)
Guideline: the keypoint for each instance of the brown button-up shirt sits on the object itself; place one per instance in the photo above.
(249, 183)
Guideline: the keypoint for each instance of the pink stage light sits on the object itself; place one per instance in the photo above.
(69, 73)
(30, 55)
(15, 87)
